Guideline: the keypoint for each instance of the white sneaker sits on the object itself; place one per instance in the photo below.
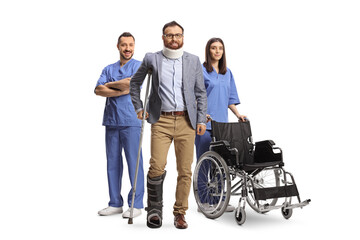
(110, 211)
(136, 213)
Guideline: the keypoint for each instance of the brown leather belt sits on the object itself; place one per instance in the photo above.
(176, 113)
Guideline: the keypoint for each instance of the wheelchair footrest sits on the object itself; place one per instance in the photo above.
(267, 207)
(275, 192)
(302, 204)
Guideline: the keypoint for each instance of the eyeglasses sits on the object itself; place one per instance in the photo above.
(170, 36)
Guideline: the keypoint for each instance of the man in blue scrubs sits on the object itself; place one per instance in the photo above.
(122, 128)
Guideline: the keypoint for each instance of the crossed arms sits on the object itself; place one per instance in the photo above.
(114, 89)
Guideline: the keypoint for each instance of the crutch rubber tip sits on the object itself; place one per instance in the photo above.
(130, 221)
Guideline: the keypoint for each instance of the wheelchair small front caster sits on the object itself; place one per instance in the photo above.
(287, 213)
(240, 216)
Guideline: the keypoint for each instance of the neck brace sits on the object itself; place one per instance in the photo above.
(173, 53)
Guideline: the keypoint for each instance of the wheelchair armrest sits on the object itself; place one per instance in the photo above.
(233, 151)
(278, 149)
(266, 152)
(218, 143)
(269, 144)
(226, 144)
(265, 143)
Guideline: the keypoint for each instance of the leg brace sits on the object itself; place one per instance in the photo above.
(155, 201)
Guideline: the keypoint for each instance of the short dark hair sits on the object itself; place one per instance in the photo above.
(125, 34)
(222, 61)
(171, 24)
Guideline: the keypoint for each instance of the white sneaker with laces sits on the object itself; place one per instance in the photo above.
(136, 213)
(110, 211)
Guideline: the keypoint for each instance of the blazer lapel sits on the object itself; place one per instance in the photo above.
(185, 70)
(159, 58)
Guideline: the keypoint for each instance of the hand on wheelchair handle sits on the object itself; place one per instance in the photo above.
(208, 118)
(243, 118)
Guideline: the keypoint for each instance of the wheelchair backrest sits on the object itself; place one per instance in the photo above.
(238, 134)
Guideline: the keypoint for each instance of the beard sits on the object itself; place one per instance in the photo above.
(126, 58)
(174, 47)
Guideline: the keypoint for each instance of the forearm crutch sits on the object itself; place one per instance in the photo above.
(139, 150)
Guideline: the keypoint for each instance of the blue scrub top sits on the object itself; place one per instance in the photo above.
(221, 92)
(119, 111)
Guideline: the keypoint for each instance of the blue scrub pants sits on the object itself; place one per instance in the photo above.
(127, 138)
(202, 144)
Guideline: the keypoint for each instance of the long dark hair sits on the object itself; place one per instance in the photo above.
(222, 61)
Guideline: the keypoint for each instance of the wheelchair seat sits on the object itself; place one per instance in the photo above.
(233, 141)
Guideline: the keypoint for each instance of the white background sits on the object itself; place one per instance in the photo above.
(295, 63)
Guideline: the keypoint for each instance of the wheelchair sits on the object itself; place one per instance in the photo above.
(257, 169)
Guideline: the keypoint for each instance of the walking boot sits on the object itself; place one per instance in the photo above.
(155, 201)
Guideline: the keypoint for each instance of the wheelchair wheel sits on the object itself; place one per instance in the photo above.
(241, 217)
(211, 185)
(287, 213)
(265, 178)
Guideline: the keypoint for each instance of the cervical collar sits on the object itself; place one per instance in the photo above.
(172, 53)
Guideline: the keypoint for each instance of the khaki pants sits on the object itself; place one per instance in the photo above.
(163, 132)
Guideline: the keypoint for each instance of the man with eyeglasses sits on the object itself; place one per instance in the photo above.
(177, 111)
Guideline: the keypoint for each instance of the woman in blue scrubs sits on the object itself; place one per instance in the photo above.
(221, 92)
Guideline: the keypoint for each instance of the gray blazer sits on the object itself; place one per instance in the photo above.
(193, 87)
